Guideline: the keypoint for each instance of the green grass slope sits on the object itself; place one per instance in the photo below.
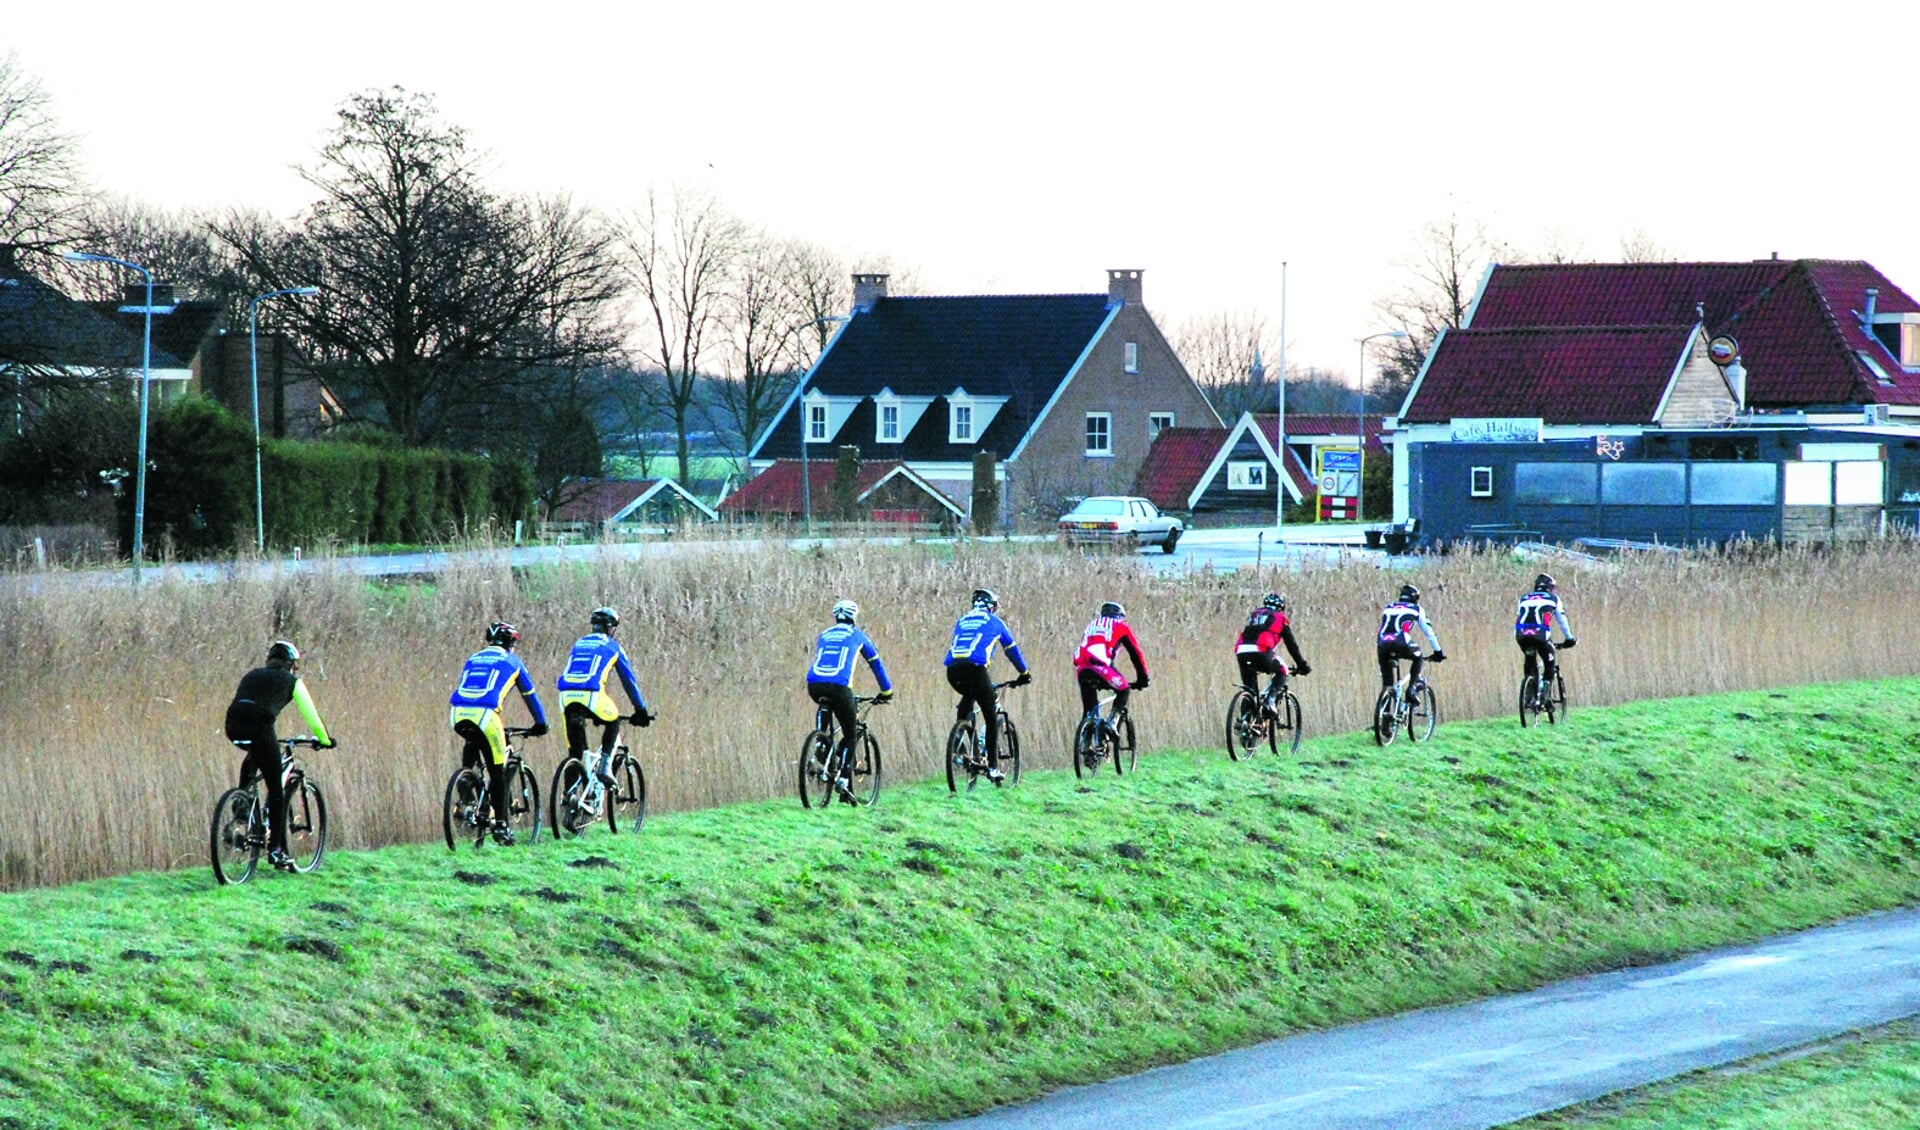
(762, 966)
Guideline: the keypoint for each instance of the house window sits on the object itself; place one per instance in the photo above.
(889, 423)
(1859, 484)
(1099, 433)
(1249, 475)
(1556, 484)
(1482, 482)
(960, 429)
(1132, 353)
(816, 423)
(1643, 484)
(1734, 484)
(1909, 345)
(1158, 422)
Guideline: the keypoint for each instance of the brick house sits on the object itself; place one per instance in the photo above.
(1066, 391)
(1613, 399)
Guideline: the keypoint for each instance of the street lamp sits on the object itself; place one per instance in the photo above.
(146, 381)
(253, 354)
(1360, 424)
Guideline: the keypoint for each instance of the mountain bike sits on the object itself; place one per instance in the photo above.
(467, 811)
(239, 831)
(1412, 708)
(578, 798)
(824, 776)
(1541, 694)
(966, 749)
(1102, 736)
(1266, 716)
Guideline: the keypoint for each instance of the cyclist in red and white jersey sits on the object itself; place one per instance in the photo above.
(1538, 613)
(1107, 635)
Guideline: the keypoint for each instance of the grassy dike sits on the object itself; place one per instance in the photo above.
(758, 965)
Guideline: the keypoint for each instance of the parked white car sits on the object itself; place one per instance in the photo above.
(1119, 520)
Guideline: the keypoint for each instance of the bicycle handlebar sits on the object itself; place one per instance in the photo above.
(307, 740)
(520, 731)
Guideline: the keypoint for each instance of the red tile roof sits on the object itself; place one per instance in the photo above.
(1563, 376)
(1304, 424)
(601, 500)
(1796, 321)
(1174, 464)
(777, 490)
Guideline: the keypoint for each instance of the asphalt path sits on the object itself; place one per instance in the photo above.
(1494, 1061)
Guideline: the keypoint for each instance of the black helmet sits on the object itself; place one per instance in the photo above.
(1409, 594)
(1113, 610)
(604, 619)
(1274, 601)
(1543, 583)
(283, 654)
(984, 598)
(502, 635)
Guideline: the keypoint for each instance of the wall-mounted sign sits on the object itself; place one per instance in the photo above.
(1339, 472)
(1609, 448)
(1723, 350)
(1495, 429)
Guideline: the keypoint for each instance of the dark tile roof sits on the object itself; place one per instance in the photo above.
(1796, 321)
(178, 334)
(1017, 346)
(1577, 375)
(42, 327)
(1174, 464)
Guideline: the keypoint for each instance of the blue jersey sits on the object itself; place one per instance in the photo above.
(835, 651)
(975, 637)
(596, 658)
(488, 675)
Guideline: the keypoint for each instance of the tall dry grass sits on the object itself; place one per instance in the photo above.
(116, 696)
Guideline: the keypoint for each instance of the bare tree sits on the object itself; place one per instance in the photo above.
(179, 247)
(1227, 354)
(442, 306)
(1639, 246)
(42, 187)
(683, 254)
(1449, 257)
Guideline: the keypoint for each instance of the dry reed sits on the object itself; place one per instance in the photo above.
(117, 695)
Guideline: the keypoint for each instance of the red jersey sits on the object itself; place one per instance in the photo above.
(1105, 638)
(1265, 627)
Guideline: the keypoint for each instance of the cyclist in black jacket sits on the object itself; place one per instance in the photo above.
(263, 693)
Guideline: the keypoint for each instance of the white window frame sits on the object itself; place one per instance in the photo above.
(817, 422)
(1155, 427)
(1480, 482)
(1106, 435)
(1130, 357)
(1247, 474)
(882, 407)
(958, 411)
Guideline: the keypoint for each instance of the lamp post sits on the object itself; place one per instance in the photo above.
(1360, 424)
(253, 355)
(146, 381)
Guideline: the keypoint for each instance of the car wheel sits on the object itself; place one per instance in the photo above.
(1173, 539)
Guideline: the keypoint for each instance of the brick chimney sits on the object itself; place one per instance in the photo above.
(1123, 286)
(868, 289)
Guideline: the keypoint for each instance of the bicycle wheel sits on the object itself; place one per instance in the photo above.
(235, 842)
(961, 747)
(1125, 753)
(866, 771)
(628, 804)
(816, 775)
(1087, 750)
(523, 806)
(1423, 714)
(1243, 724)
(1009, 750)
(460, 812)
(1560, 694)
(1529, 699)
(566, 807)
(306, 825)
(1290, 720)
(1386, 716)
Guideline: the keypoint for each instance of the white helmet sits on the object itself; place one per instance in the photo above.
(846, 612)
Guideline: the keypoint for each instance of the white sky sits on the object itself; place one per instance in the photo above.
(1026, 147)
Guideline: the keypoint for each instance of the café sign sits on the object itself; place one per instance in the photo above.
(1495, 429)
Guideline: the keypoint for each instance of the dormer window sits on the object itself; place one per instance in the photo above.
(816, 423)
(969, 416)
(962, 425)
(889, 424)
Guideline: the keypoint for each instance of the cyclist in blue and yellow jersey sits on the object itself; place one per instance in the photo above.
(263, 693)
(1534, 619)
(597, 657)
(974, 638)
(1397, 624)
(830, 679)
(484, 682)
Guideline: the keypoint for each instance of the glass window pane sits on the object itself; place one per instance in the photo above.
(1562, 484)
(1735, 484)
(1643, 484)
(1858, 484)
(1809, 484)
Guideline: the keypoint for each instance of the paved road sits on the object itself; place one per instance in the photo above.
(1498, 1060)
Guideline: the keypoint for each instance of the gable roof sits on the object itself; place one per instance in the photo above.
(41, 327)
(1018, 347)
(778, 489)
(1175, 462)
(1798, 322)
(1306, 424)
(1580, 375)
(612, 500)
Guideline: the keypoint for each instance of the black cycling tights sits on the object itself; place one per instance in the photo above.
(577, 718)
